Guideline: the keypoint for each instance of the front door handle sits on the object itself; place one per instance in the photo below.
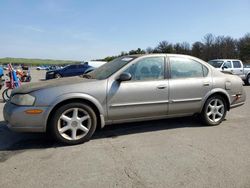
(206, 84)
(161, 87)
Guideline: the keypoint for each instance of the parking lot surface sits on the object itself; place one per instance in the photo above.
(178, 152)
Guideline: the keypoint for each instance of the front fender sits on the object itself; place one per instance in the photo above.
(70, 96)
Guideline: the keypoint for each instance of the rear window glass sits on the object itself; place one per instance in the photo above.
(237, 64)
(186, 68)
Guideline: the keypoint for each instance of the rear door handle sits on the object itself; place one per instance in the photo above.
(161, 87)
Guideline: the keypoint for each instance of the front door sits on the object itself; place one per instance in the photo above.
(227, 67)
(145, 95)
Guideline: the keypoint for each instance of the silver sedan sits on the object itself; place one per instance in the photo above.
(128, 89)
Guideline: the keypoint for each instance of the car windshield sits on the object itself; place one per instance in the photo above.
(110, 68)
(216, 64)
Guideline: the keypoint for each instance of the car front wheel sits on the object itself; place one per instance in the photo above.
(73, 123)
(58, 76)
(214, 111)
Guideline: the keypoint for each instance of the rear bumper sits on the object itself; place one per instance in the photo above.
(18, 120)
(236, 102)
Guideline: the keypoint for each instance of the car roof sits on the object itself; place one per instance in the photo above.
(225, 60)
(155, 54)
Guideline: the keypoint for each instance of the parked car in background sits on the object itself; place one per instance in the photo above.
(246, 65)
(73, 70)
(54, 67)
(127, 89)
(96, 64)
(42, 68)
(233, 66)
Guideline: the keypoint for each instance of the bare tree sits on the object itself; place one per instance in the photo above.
(164, 47)
(198, 49)
(243, 47)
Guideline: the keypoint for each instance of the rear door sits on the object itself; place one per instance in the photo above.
(188, 85)
(237, 67)
(80, 69)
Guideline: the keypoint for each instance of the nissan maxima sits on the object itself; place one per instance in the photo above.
(127, 89)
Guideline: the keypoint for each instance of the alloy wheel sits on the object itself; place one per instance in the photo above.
(74, 124)
(215, 110)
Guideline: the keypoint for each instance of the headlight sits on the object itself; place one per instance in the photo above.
(50, 73)
(23, 99)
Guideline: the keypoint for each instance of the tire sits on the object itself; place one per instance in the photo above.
(248, 80)
(214, 110)
(58, 76)
(6, 94)
(66, 126)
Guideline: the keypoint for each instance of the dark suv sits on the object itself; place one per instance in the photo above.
(70, 70)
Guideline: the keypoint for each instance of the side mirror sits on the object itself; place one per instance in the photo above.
(125, 76)
(224, 67)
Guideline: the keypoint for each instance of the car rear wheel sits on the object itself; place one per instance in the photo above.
(73, 123)
(214, 111)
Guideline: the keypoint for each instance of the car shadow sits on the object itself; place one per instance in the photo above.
(13, 141)
(116, 130)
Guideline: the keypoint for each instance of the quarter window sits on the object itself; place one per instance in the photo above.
(186, 68)
(150, 68)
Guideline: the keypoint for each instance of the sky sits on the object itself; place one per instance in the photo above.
(92, 29)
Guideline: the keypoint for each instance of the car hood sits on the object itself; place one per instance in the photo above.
(55, 70)
(30, 87)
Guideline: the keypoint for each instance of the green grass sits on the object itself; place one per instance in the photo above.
(35, 61)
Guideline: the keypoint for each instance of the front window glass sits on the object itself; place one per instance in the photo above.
(150, 68)
(185, 68)
(110, 68)
(216, 64)
(227, 64)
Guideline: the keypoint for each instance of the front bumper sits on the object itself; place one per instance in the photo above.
(18, 120)
(49, 76)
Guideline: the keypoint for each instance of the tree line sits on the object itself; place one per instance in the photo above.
(210, 47)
